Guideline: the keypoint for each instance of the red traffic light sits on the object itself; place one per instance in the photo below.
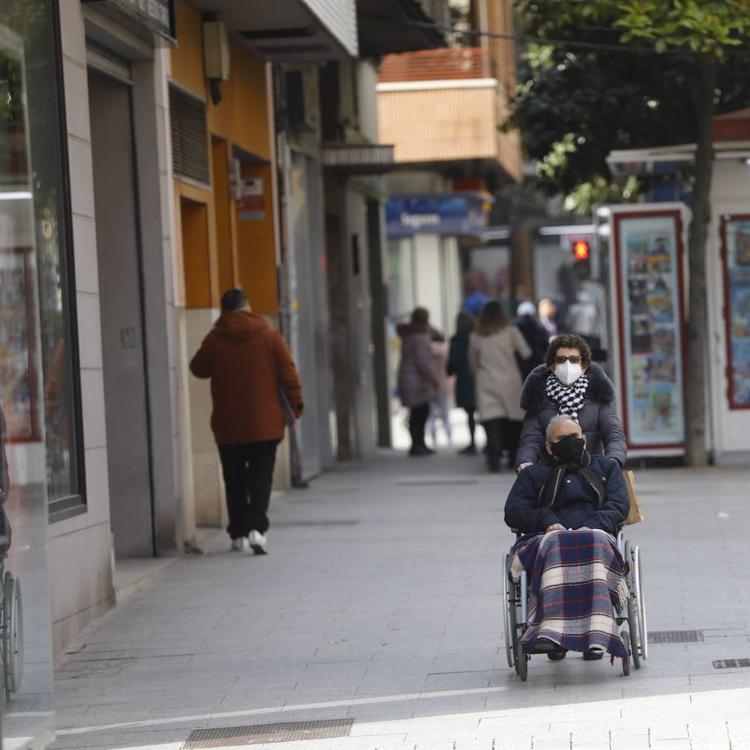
(581, 250)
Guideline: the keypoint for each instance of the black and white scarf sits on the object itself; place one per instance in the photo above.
(569, 399)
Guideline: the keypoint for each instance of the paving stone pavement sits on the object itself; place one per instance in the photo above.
(380, 603)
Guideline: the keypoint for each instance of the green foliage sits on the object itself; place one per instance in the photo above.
(634, 89)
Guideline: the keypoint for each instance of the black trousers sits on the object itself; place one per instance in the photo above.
(417, 420)
(472, 424)
(248, 480)
(502, 434)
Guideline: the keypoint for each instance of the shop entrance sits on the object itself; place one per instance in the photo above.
(121, 309)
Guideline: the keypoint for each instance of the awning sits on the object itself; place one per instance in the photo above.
(290, 30)
(388, 26)
(670, 159)
(357, 158)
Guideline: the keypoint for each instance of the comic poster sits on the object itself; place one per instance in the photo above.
(652, 325)
(737, 234)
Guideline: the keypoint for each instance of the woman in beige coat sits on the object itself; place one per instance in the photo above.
(492, 356)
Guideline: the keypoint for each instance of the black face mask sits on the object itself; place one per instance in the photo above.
(568, 449)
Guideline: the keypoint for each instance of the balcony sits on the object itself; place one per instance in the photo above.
(444, 109)
(290, 30)
(389, 26)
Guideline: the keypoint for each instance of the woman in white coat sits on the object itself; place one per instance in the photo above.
(492, 357)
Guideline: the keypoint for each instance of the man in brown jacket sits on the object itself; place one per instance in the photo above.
(256, 391)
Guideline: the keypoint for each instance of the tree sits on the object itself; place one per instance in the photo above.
(656, 72)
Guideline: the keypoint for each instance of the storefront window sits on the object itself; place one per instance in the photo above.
(736, 242)
(32, 157)
(33, 341)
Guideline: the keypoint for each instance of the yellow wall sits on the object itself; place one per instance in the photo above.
(240, 252)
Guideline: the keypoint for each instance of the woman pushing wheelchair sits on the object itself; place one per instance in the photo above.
(569, 508)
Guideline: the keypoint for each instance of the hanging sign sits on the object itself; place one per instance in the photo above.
(251, 205)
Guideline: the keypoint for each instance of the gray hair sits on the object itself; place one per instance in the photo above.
(556, 420)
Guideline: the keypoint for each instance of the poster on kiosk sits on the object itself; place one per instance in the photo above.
(647, 244)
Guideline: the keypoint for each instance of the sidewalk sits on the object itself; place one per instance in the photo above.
(379, 605)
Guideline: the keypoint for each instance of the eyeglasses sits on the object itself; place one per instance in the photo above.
(574, 359)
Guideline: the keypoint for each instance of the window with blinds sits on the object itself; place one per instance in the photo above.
(189, 136)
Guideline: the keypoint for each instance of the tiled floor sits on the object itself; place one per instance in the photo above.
(395, 621)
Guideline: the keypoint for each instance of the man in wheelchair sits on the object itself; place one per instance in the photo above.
(569, 508)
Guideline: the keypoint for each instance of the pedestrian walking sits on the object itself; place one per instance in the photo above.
(492, 357)
(417, 381)
(458, 365)
(534, 333)
(255, 391)
(570, 383)
(440, 402)
(548, 315)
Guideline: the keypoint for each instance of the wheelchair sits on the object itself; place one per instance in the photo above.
(631, 622)
(11, 617)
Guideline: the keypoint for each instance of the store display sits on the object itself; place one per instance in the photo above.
(736, 236)
(651, 323)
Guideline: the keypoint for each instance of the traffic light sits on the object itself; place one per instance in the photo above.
(582, 258)
(581, 250)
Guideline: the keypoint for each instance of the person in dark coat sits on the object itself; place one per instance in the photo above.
(570, 506)
(535, 334)
(569, 488)
(570, 383)
(458, 365)
(417, 380)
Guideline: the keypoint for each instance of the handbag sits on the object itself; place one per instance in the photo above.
(636, 514)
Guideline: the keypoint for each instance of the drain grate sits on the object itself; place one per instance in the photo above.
(675, 636)
(316, 524)
(436, 482)
(731, 663)
(297, 731)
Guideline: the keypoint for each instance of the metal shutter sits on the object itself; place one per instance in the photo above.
(189, 136)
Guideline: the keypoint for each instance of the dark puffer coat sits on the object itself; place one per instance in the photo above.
(598, 418)
(458, 365)
(576, 503)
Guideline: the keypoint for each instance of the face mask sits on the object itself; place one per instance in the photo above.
(568, 449)
(568, 373)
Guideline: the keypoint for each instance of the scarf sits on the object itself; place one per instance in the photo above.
(551, 487)
(568, 399)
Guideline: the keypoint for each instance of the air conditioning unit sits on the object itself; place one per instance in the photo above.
(217, 51)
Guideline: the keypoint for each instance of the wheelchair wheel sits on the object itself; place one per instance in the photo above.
(520, 659)
(633, 632)
(641, 603)
(12, 635)
(507, 604)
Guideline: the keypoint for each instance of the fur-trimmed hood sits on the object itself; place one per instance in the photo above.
(533, 394)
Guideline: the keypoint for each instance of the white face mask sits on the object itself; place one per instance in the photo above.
(568, 373)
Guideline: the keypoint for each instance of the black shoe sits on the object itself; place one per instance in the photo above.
(592, 654)
(420, 450)
(558, 654)
(543, 646)
(469, 450)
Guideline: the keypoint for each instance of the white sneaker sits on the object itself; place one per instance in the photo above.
(240, 545)
(257, 542)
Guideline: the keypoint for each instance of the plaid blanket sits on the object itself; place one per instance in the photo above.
(577, 586)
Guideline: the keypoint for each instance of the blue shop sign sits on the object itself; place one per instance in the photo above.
(448, 213)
